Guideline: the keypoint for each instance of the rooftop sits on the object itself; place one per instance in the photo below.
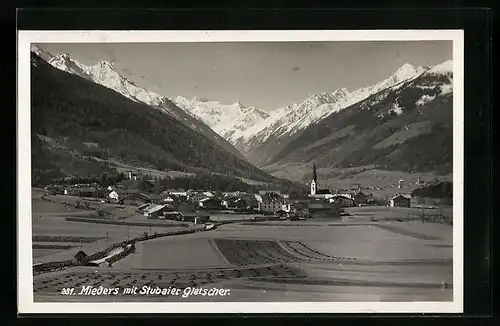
(154, 209)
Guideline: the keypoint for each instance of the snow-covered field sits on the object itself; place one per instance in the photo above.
(326, 262)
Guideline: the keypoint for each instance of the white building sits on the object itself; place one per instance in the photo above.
(113, 195)
(400, 201)
(178, 193)
(168, 199)
(258, 198)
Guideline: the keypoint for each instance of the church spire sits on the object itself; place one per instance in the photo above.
(315, 177)
(314, 180)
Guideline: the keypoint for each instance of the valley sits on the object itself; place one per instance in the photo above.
(400, 126)
(345, 195)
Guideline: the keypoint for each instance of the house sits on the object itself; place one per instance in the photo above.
(177, 192)
(345, 194)
(133, 198)
(187, 207)
(143, 207)
(82, 191)
(168, 199)
(360, 198)
(270, 205)
(195, 217)
(202, 219)
(154, 211)
(400, 201)
(113, 195)
(318, 209)
(90, 144)
(173, 215)
(197, 196)
(266, 192)
(249, 200)
(296, 206)
(322, 193)
(342, 201)
(210, 203)
(235, 203)
(258, 198)
(81, 258)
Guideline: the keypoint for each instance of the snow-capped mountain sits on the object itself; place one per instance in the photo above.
(224, 119)
(288, 121)
(105, 74)
(406, 127)
(260, 134)
(132, 133)
(45, 55)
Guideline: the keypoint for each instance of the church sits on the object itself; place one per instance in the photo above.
(315, 192)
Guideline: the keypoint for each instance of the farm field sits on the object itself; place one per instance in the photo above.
(314, 261)
(59, 231)
(382, 213)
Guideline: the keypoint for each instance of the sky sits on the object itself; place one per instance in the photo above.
(267, 75)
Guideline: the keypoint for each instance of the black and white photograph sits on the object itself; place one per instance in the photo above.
(279, 171)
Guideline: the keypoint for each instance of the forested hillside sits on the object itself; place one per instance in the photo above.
(68, 107)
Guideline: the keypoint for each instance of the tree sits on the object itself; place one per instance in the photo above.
(157, 187)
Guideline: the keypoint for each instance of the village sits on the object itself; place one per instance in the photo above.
(199, 205)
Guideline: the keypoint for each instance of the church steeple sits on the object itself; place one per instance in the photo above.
(315, 177)
(314, 180)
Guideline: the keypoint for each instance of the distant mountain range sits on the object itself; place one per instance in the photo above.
(69, 110)
(389, 125)
(405, 127)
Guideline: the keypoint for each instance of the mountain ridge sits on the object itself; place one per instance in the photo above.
(68, 106)
(407, 128)
(104, 73)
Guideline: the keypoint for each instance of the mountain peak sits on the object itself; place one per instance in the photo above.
(45, 55)
(407, 66)
(442, 68)
(239, 104)
(105, 64)
(407, 71)
(63, 56)
(341, 92)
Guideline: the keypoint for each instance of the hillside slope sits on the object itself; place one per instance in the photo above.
(65, 106)
(105, 74)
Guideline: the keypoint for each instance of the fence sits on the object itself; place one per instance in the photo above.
(51, 266)
(431, 215)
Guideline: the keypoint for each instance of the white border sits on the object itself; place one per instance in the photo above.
(26, 302)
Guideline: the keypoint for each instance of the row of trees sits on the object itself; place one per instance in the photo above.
(442, 190)
(200, 181)
(104, 180)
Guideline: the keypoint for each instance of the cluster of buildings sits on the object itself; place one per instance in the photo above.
(184, 204)
(80, 190)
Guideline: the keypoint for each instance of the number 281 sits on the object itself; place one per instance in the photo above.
(67, 291)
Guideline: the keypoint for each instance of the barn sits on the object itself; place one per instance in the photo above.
(400, 201)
